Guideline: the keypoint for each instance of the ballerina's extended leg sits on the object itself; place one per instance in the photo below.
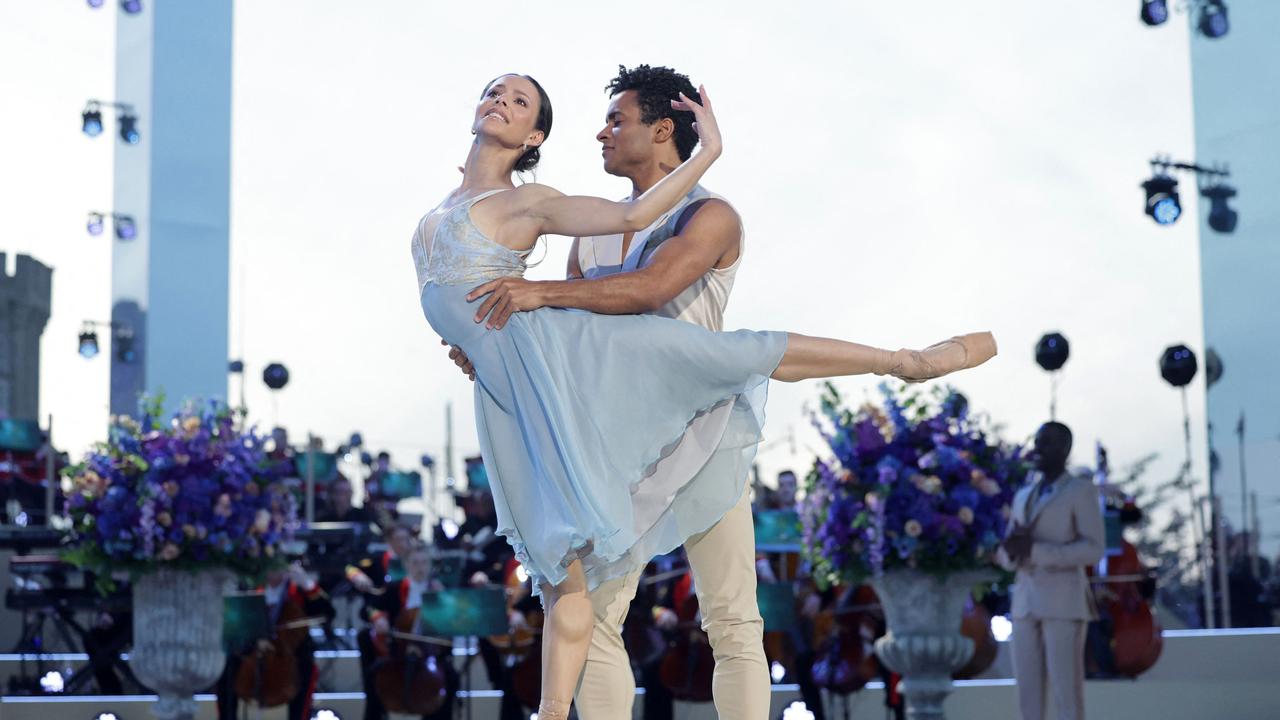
(813, 357)
(566, 637)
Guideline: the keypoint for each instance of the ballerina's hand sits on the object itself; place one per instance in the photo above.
(704, 119)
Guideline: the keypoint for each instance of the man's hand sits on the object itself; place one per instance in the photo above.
(381, 626)
(506, 296)
(1018, 546)
(460, 359)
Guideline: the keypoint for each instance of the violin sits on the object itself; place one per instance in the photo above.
(408, 677)
(845, 659)
(689, 663)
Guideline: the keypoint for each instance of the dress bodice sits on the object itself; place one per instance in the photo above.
(448, 249)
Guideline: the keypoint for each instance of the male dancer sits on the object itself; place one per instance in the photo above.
(682, 266)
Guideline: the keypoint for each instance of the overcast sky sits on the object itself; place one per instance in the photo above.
(905, 172)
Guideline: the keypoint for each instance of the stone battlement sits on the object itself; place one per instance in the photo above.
(31, 284)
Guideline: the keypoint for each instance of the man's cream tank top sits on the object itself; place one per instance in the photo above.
(702, 303)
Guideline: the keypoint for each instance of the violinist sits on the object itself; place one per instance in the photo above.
(396, 608)
(294, 601)
(1055, 533)
(338, 508)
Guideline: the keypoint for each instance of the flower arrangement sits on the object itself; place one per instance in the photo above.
(193, 493)
(918, 483)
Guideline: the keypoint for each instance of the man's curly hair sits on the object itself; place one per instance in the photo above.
(655, 88)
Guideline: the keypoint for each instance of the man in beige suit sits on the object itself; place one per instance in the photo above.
(1055, 532)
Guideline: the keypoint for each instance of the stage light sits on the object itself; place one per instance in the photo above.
(106, 716)
(95, 4)
(88, 343)
(325, 714)
(796, 711)
(276, 376)
(1162, 199)
(52, 682)
(1178, 365)
(1221, 217)
(123, 342)
(235, 367)
(1052, 351)
(91, 120)
(449, 528)
(521, 574)
(1001, 628)
(126, 229)
(776, 672)
(1212, 367)
(1213, 19)
(94, 224)
(129, 128)
(131, 7)
(428, 462)
(1154, 12)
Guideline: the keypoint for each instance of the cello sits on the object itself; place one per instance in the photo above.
(268, 674)
(976, 625)
(689, 664)
(408, 675)
(1122, 590)
(845, 659)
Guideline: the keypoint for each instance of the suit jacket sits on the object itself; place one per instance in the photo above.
(1067, 536)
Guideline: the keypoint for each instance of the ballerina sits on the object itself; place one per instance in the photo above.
(605, 436)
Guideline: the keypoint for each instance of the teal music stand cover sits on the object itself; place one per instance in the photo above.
(244, 620)
(20, 435)
(778, 531)
(464, 611)
(777, 605)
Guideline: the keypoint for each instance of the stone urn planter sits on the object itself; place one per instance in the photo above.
(923, 643)
(177, 636)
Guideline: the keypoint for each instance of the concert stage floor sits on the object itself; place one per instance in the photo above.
(1201, 675)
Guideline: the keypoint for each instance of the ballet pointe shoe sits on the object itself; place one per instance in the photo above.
(959, 353)
(553, 710)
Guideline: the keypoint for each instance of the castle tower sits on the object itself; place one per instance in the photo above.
(24, 309)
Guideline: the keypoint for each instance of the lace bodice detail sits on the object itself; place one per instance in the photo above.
(448, 249)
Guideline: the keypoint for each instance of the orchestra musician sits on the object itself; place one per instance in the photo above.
(1055, 532)
(397, 607)
(291, 595)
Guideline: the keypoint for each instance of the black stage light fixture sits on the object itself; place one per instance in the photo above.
(131, 7)
(94, 223)
(428, 462)
(1162, 199)
(123, 340)
(236, 367)
(126, 229)
(1213, 19)
(1178, 365)
(357, 440)
(129, 128)
(1052, 351)
(1221, 217)
(1154, 12)
(88, 342)
(276, 376)
(1212, 367)
(366, 458)
(91, 120)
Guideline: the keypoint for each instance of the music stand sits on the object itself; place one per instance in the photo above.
(244, 621)
(464, 612)
(447, 566)
(778, 531)
(777, 605)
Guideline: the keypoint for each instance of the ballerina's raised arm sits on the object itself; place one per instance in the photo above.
(576, 215)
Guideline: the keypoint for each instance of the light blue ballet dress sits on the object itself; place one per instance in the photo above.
(610, 438)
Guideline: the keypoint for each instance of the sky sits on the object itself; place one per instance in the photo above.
(904, 173)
